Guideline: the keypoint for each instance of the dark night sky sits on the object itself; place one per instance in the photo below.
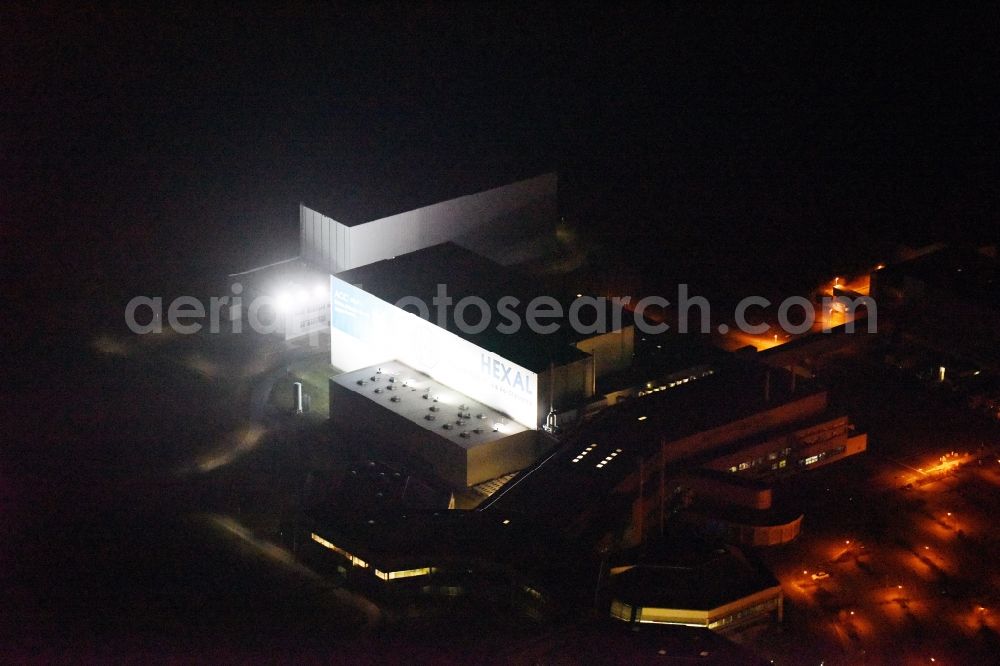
(144, 149)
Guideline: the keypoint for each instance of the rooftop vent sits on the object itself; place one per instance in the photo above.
(464, 415)
(434, 408)
(478, 430)
(392, 379)
(429, 417)
(465, 433)
(460, 422)
(463, 407)
(447, 426)
(395, 398)
(481, 417)
(427, 396)
(361, 382)
(374, 378)
(378, 390)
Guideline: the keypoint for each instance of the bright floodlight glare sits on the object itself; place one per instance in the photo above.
(282, 301)
(301, 295)
(319, 291)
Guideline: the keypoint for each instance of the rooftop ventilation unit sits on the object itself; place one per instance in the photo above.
(361, 382)
(481, 417)
(460, 422)
(465, 433)
(429, 417)
(378, 390)
(434, 408)
(395, 398)
(447, 426)
(479, 430)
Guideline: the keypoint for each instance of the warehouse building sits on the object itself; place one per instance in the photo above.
(491, 223)
(463, 440)
(386, 311)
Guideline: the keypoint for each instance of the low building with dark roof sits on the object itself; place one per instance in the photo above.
(687, 581)
(946, 301)
(719, 435)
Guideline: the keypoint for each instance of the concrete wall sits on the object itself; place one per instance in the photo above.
(489, 223)
(749, 426)
(730, 491)
(385, 429)
(457, 466)
(568, 384)
(612, 351)
(748, 535)
(503, 456)
(323, 241)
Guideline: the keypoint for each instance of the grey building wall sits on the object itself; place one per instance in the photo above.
(493, 223)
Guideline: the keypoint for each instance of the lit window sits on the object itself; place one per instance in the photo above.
(406, 573)
(356, 561)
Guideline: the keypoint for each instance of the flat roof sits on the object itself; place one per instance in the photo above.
(439, 538)
(960, 270)
(690, 573)
(430, 404)
(623, 433)
(352, 204)
(467, 274)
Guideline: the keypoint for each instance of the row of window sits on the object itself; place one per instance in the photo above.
(756, 462)
(750, 611)
(811, 460)
(781, 464)
(308, 323)
(358, 562)
(650, 389)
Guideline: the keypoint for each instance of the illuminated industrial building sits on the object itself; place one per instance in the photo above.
(465, 441)
(501, 223)
(520, 372)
